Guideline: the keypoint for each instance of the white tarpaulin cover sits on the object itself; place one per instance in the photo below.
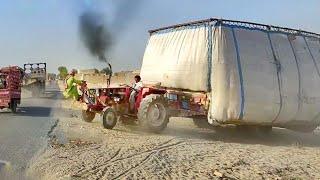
(178, 59)
(264, 77)
(254, 75)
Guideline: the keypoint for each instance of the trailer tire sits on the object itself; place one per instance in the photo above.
(13, 106)
(153, 113)
(88, 116)
(109, 118)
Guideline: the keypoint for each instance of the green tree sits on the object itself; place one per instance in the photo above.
(106, 71)
(63, 72)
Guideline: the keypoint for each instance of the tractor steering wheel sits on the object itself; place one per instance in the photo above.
(131, 88)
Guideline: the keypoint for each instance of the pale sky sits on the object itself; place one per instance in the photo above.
(47, 30)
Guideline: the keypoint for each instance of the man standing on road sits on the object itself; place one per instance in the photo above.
(137, 86)
(71, 90)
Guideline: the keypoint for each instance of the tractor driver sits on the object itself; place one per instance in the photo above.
(103, 98)
(137, 86)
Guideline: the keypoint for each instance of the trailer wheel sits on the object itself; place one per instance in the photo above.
(153, 113)
(109, 118)
(13, 106)
(88, 116)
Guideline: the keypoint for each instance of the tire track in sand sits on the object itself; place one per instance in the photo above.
(148, 157)
(103, 167)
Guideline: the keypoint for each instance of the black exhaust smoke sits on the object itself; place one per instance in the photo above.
(95, 34)
(97, 37)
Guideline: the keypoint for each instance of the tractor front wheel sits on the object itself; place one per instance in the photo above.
(88, 116)
(153, 113)
(109, 118)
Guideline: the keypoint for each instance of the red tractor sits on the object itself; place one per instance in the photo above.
(153, 106)
(10, 87)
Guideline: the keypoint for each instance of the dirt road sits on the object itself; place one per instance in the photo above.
(23, 134)
(180, 152)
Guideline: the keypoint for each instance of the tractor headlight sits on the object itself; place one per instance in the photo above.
(116, 99)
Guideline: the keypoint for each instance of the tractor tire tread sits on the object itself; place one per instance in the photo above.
(104, 121)
(143, 111)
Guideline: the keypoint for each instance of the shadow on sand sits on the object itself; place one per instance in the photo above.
(278, 137)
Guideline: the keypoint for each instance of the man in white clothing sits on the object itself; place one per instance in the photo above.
(136, 88)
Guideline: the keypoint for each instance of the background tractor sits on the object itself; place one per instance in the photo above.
(35, 78)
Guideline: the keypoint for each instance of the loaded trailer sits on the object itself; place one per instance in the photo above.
(247, 73)
(224, 72)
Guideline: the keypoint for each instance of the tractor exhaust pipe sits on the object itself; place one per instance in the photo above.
(110, 74)
(103, 58)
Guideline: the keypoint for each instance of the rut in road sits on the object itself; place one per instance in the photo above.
(101, 169)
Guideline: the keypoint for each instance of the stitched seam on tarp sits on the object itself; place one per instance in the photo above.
(240, 74)
(299, 77)
(278, 67)
(209, 38)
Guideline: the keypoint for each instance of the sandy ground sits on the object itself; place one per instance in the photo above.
(182, 151)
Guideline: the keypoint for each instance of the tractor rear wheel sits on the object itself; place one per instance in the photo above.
(109, 118)
(88, 116)
(153, 113)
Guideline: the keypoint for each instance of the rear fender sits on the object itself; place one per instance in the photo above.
(127, 94)
(147, 91)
